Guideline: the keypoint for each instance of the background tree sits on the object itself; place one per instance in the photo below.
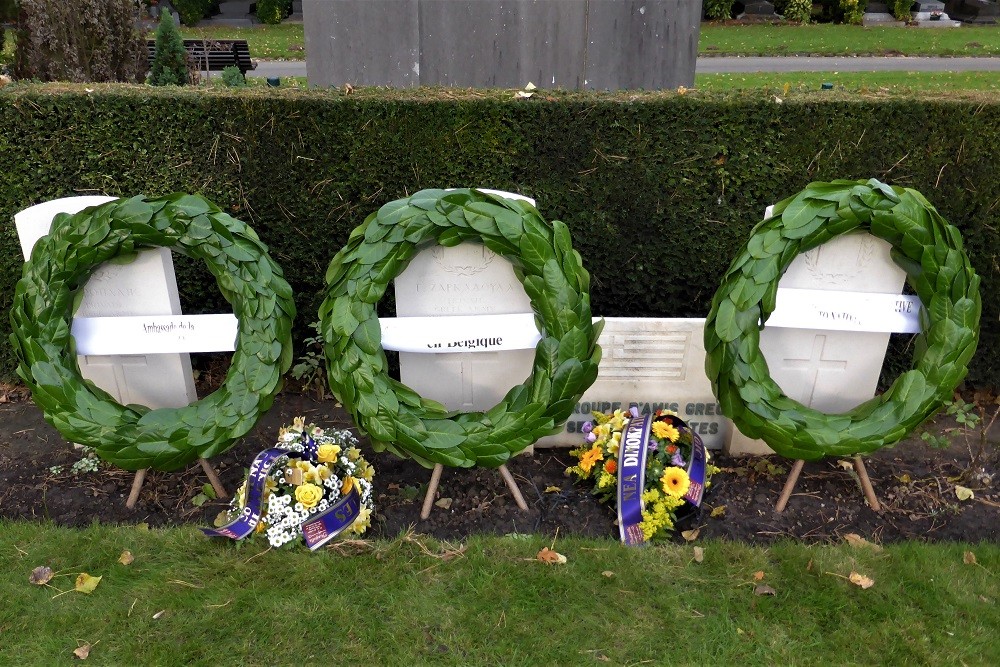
(83, 40)
(8, 12)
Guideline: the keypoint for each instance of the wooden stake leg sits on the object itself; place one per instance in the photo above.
(786, 493)
(512, 485)
(133, 496)
(432, 488)
(213, 477)
(866, 484)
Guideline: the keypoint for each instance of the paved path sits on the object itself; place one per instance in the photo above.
(728, 64)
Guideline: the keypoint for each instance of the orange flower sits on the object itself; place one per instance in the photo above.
(610, 466)
(589, 458)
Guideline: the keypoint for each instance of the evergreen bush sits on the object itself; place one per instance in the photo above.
(718, 10)
(233, 77)
(191, 11)
(798, 11)
(901, 9)
(81, 41)
(170, 64)
(272, 11)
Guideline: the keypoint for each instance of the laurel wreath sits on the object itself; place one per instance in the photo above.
(134, 436)
(938, 270)
(397, 418)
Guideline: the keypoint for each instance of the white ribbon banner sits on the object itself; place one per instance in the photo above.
(845, 311)
(459, 333)
(155, 334)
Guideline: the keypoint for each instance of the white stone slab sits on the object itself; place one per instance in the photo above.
(659, 364)
(829, 370)
(146, 286)
(467, 279)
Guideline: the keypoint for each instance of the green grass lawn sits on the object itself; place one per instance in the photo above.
(882, 83)
(843, 40)
(188, 600)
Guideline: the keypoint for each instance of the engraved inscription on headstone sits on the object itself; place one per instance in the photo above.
(657, 363)
(467, 279)
(146, 286)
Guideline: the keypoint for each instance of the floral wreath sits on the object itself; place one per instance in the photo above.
(937, 268)
(666, 483)
(317, 469)
(396, 417)
(133, 436)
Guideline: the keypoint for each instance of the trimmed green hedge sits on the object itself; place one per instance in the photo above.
(660, 190)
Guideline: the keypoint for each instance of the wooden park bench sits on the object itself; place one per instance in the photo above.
(213, 55)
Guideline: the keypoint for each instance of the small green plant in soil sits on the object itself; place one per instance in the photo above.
(89, 462)
(311, 369)
(974, 422)
(233, 77)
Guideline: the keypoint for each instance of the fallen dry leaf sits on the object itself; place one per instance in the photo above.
(969, 558)
(608, 573)
(859, 542)
(845, 464)
(699, 554)
(550, 557)
(758, 575)
(861, 580)
(904, 478)
(444, 503)
(809, 565)
(159, 614)
(86, 583)
(764, 589)
(964, 493)
(552, 489)
(41, 575)
(82, 652)
(690, 535)
(718, 512)
(126, 558)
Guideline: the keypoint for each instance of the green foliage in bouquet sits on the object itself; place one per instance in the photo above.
(939, 272)
(133, 436)
(297, 489)
(393, 415)
(666, 480)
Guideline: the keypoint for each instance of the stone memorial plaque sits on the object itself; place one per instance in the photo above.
(467, 279)
(828, 369)
(657, 363)
(145, 286)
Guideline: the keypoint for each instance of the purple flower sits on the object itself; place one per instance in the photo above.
(652, 445)
(591, 437)
(588, 427)
(634, 411)
(677, 460)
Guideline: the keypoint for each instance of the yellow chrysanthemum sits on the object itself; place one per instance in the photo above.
(346, 486)
(590, 457)
(675, 482)
(665, 431)
(363, 521)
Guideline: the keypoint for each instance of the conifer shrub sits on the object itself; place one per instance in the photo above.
(80, 41)
(272, 11)
(170, 64)
(191, 11)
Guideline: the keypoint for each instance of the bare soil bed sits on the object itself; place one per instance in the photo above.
(915, 484)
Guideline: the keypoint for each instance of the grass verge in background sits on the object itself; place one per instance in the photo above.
(187, 600)
(861, 82)
(828, 39)
(285, 41)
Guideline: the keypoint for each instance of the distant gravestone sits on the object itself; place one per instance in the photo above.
(986, 12)
(145, 287)
(877, 13)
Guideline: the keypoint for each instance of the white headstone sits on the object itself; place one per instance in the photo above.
(467, 279)
(145, 286)
(828, 369)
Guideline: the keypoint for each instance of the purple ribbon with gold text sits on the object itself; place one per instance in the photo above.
(631, 478)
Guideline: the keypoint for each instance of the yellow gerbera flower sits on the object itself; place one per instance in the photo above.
(663, 430)
(675, 482)
(589, 458)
